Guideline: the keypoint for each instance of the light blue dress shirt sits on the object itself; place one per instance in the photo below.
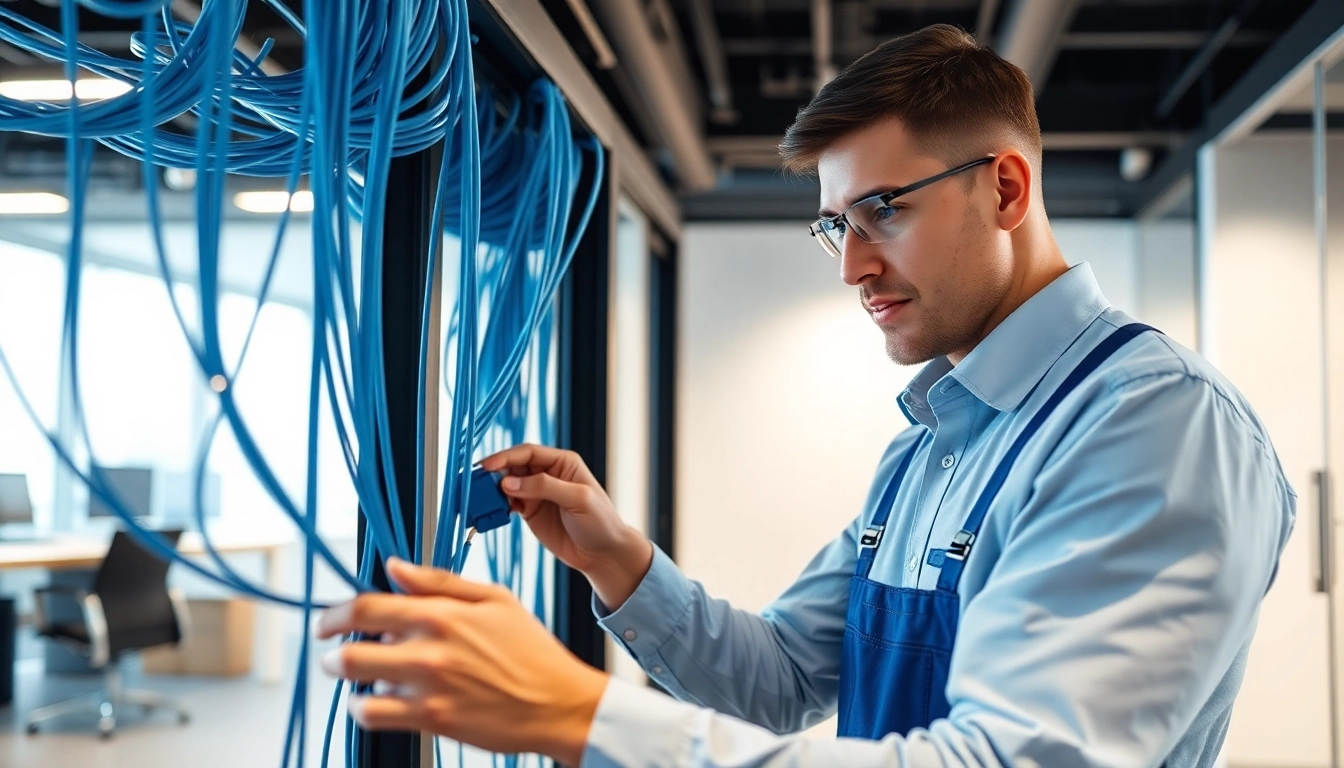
(1107, 608)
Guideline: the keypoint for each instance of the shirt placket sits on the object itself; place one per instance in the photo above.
(949, 446)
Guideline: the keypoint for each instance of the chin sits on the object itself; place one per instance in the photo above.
(906, 351)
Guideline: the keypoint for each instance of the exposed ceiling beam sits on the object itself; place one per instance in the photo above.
(606, 58)
(527, 22)
(650, 64)
(823, 55)
(1031, 35)
(1132, 41)
(984, 21)
(713, 61)
(1204, 57)
(1316, 27)
(1060, 141)
(763, 151)
(1097, 41)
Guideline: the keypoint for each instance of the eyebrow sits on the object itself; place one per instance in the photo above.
(883, 189)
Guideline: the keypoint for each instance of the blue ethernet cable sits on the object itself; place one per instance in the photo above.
(281, 139)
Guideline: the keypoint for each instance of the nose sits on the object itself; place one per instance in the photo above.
(859, 261)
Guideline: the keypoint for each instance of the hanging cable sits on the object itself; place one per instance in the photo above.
(508, 185)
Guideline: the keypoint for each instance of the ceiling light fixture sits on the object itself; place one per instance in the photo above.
(88, 89)
(273, 201)
(24, 203)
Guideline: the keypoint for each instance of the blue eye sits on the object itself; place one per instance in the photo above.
(884, 213)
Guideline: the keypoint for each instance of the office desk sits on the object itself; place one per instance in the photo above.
(63, 552)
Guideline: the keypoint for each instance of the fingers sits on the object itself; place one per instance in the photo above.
(417, 580)
(387, 713)
(367, 662)
(375, 614)
(575, 496)
(526, 456)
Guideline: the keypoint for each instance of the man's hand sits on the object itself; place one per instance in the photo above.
(572, 516)
(468, 662)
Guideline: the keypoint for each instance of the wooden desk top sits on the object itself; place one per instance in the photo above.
(68, 551)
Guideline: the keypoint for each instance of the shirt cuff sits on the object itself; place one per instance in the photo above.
(655, 610)
(637, 727)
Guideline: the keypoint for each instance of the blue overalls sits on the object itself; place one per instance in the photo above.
(898, 641)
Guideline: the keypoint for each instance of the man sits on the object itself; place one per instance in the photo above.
(1060, 562)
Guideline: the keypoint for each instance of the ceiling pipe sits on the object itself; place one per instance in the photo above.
(714, 61)
(605, 58)
(1203, 58)
(1031, 35)
(823, 57)
(763, 151)
(984, 21)
(650, 66)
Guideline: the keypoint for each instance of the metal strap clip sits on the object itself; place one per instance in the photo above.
(871, 537)
(961, 545)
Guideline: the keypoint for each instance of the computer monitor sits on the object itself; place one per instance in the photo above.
(133, 485)
(179, 498)
(16, 507)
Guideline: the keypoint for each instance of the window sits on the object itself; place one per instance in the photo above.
(31, 301)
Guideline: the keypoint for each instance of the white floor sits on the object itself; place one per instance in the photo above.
(235, 723)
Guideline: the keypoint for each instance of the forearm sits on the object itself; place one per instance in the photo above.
(777, 671)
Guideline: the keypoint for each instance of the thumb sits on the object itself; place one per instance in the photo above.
(575, 496)
(418, 580)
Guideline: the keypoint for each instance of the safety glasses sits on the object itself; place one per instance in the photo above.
(872, 218)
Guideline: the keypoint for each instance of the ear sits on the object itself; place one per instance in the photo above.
(1013, 188)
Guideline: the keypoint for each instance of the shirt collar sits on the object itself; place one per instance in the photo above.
(1003, 368)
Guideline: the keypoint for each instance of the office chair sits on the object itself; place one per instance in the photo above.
(129, 608)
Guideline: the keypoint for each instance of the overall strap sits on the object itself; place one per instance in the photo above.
(872, 535)
(955, 557)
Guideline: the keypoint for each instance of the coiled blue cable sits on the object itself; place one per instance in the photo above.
(328, 121)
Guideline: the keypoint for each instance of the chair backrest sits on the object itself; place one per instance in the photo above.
(132, 582)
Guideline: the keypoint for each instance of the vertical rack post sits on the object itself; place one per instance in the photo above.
(583, 383)
(407, 243)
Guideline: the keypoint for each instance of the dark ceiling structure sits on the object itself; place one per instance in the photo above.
(1126, 89)
(1122, 86)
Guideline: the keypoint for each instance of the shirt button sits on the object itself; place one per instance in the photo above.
(630, 634)
(912, 564)
(657, 670)
(948, 461)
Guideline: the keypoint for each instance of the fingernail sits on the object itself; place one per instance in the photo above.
(331, 661)
(512, 483)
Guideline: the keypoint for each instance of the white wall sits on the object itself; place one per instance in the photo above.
(785, 401)
(1166, 278)
(1109, 245)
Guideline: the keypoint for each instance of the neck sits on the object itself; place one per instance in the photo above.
(1037, 263)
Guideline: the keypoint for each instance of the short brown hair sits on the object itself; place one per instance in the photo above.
(959, 100)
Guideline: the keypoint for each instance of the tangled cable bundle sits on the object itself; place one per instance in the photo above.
(508, 184)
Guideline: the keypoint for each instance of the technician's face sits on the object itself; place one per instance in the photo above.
(933, 287)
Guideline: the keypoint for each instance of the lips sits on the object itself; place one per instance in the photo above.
(885, 310)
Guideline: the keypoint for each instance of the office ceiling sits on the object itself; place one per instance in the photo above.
(1113, 77)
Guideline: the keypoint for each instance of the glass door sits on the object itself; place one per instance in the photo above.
(1263, 321)
(1325, 502)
